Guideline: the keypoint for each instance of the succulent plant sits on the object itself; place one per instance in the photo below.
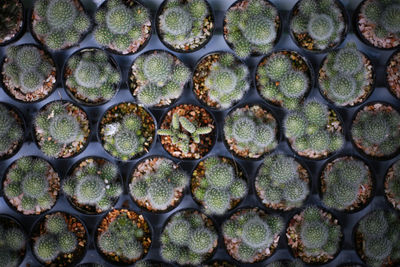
(252, 27)
(59, 23)
(286, 263)
(122, 27)
(392, 184)
(322, 22)
(91, 76)
(11, 19)
(188, 238)
(284, 78)
(254, 233)
(282, 182)
(11, 131)
(158, 78)
(12, 245)
(379, 232)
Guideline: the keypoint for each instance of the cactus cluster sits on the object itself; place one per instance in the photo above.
(12, 243)
(91, 77)
(11, 19)
(59, 23)
(392, 184)
(94, 183)
(279, 182)
(159, 78)
(57, 239)
(282, 81)
(376, 130)
(322, 21)
(188, 238)
(252, 27)
(220, 186)
(310, 129)
(11, 131)
(150, 263)
(379, 231)
(254, 233)
(286, 263)
(122, 27)
(159, 185)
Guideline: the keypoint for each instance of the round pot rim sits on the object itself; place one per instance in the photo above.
(386, 82)
(22, 29)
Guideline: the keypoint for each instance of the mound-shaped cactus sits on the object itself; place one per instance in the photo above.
(286, 263)
(13, 243)
(251, 26)
(158, 78)
(59, 24)
(392, 184)
(11, 20)
(11, 131)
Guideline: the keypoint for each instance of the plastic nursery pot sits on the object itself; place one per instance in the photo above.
(204, 70)
(104, 228)
(136, 84)
(369, 38)
(78, 138)
(49, 83)
(84, 170)
(179, 141)
(299, 63)
(52, 180)
(197, 42)
(241, 4)
(305, 42)
(15, 255)
(391, 176)
(392, 79)
(219, 263)
(351, 264)
(68, 72)
(131, 125)
(147, 168)
(19, 131)
(262, 115)
(73, 225)
(18, 26)
(152, 263)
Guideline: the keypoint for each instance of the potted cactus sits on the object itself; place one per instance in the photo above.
(284, 78)
(252, 27)
(151, 263)
(157, 184)
(188, 237)
(286, 263)
(59, 239)
(157, 78)
(59, 24)
(31, 185)
(393, 74)
(122, 26)
(126, 131)
(220, 80)
(376, 130)
(218, 184)
(252, 235)
(123, 237)
(346, 76)
(392, 184)
(185, 25)
(250, 131)
(187, 131)
(314, 236)
(61, 129)
(13, 243)
(29, 73)
(93, 185)
(314, 131)
(219, 263)
(91, 76)
(377, 237)
(318, 26)
(11, 131)
(12, 21)
(377, 23)
(282, 183)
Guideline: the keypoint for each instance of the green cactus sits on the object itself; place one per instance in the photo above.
(13, 243)
(286, 263)
(392, 187)
(11, 18)
(11, 131)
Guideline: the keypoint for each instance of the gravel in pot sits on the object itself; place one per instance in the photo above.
(13, 243)
(11, 21)
(11, 131)
(393, 74)
(392, 184)
(151, 263)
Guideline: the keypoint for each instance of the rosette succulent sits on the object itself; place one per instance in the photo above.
(11, 131)
(91, 76)
(13, 243)
(59, 24)
(392, 184)
(11, 20)
(251, 26)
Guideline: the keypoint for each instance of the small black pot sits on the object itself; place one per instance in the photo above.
(22, 29)
(6, 219)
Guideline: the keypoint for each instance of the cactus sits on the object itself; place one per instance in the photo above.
(93, 78)
(59, 24)
(286, 263)
(252, 27)
(11, 131)
(188, 237)
(12, 247)
(322, 22)
(11, 19)
(392, 184)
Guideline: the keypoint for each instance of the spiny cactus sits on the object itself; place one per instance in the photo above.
(121, 27)
(286, 263)
(11, 131)
(158, 78)
(11, 19)
(322, 22)
(91, 76)
(379, 231)
(392, 184)
(59, 24)
(12, 245)
(282, 182)
(252, 27)
(254, 233)
(283, 78)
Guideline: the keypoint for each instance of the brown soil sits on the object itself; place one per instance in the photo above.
(393, 74)
(18, 26)
(389, 195)
(218, 263)
(13, 148)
